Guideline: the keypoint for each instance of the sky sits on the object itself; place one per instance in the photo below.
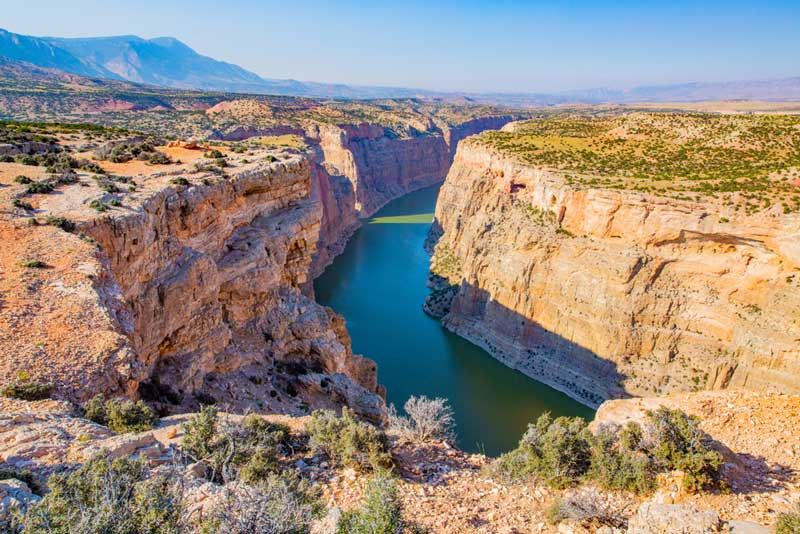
(481, 46)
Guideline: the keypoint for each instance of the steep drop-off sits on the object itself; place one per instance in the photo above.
(362, 168)
(192, 294)
(605, 293)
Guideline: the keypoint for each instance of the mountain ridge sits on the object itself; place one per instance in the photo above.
(168, 62)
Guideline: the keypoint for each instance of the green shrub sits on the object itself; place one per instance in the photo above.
(39, 188)
(34, 264)
(201, 433)
(107, 496)
(60, 222)
(618, 464)
(24, 180)
(121, 416)
(214, 154)
(91, 166)
(21, 204)
(381, 512)
(98, 205)
(347, 441)
(676, 442)
(179, 181)
(26, 389)
(66, 178)
(248, 451)
(556, 451)
(789, 522)
(95, 410)
(562, 452)
(159, 158)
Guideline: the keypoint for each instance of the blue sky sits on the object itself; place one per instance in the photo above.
(470, 45)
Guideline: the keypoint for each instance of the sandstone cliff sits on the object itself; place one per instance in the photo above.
(191, 294)
(605, 293)
(363, 167)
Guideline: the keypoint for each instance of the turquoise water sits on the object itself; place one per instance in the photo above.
(378, 284)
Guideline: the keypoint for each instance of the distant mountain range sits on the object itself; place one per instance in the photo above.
(167, 62)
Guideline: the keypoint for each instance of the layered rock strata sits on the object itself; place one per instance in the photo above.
(192, 295)
(360, 167)
(606, 293)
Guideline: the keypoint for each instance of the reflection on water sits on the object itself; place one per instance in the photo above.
(378, 284)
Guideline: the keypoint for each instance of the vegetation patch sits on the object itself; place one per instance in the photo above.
(105, 495)
(749, 162)
(348, 442)
(280, 504)
(381, 511)
(789, 522)
(426, 420)
(249, 451)
(25, 388)
(121, 416)
(562, 452)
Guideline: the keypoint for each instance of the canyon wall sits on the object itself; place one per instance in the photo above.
(361, 168)
(212, 278)
(608, 293)
(191, 294)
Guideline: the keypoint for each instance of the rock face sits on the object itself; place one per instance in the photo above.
(604, 293)
(361, 168)
(211, 276)
(189, 292)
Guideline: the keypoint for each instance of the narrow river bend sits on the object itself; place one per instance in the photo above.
(378, 284)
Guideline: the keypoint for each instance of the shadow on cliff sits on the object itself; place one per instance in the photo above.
(746, 473)
(525, 345)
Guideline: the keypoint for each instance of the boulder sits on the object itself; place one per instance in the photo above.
(655, 518)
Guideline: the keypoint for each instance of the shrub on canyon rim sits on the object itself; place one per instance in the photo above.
(277, 504)
(248, 451)
(121, 416)
(381, 511)
(346, 441)
(105, 495)
(24, 388)
(427, 420)
(562, 452)
(676, 442)
(556, 451)
(789, 523)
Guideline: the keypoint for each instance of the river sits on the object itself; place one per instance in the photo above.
(378, 284)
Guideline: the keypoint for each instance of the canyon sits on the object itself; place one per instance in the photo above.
(197, 288)
(186, 280)
(607, 292)
(361, 169)
(184, 295)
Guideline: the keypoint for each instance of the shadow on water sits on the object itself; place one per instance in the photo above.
(378, 284)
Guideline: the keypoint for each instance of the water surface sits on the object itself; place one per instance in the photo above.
(378, 284)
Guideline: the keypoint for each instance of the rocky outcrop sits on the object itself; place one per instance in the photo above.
(190, 291)
(211, 278)
(362, 167)
(653, 518)
(604, 293)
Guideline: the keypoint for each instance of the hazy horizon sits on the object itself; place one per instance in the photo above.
(508, 47)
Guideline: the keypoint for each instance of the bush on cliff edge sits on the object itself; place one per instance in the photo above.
(562, 452)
